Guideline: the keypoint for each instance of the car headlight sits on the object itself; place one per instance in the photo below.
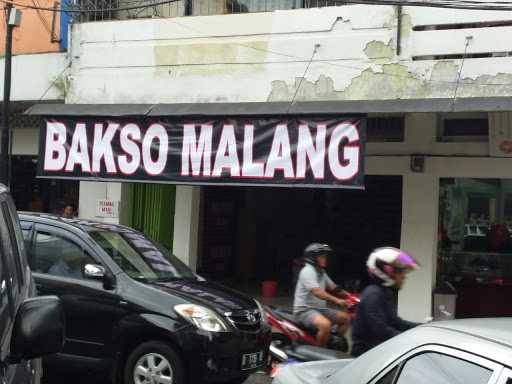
(263, 313)
(202, 317)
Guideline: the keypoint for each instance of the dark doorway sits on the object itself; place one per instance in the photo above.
(254, 234)
(40, 195)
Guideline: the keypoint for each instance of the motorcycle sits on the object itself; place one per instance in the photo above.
(291, 342)
(294, 354)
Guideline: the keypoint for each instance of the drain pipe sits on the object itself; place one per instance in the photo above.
(398, 30)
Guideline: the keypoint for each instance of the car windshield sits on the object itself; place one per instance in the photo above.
(140, 257)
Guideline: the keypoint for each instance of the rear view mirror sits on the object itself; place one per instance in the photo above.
(38, 329)
(94, 271)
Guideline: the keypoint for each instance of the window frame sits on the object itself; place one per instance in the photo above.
(14, 282)
(439, 349)
(17, 247)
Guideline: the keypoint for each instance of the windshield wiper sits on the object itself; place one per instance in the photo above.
(174, 278)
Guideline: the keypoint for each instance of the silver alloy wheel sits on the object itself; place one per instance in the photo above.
(152, 368)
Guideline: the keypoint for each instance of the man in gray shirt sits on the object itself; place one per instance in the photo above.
(313, 290)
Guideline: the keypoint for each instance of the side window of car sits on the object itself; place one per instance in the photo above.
(437, 368)
(58, 256)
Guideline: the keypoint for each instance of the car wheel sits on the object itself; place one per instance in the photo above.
(154, 362)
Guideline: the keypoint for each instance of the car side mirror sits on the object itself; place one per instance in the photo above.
(98, 272)
(38, 329)
(94, 271)
(109, 281)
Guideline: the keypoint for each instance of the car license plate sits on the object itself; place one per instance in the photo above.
(252, 360)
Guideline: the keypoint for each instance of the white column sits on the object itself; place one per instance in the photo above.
(91, 192)
(420, 210)
(186, 224)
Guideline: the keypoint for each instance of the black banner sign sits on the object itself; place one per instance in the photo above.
(305, 152)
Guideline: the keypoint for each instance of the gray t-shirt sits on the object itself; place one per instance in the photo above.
(310, 278)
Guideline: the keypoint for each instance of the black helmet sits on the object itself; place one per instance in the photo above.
(314, 250)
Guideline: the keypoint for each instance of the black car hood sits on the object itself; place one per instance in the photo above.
(221, 298)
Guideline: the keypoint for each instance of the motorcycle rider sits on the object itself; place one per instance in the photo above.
(376, 316)
(313, 290)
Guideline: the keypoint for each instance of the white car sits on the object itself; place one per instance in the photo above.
(473, 351)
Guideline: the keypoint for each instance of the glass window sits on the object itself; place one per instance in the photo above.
(435, 368)
(140, 258)
(475, 244)
(55, 255)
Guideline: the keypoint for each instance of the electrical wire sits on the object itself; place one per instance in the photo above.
(41, 17)
(462, 4)
(455, 4)
(97, 10)
(68, 65)
(296, 59)
(305, 60)
(151, 3)
(460, 72)
(292, 101)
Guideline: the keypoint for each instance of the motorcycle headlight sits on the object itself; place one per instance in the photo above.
(263, 313)
(202, 317)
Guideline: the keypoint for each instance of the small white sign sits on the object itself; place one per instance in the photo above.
(108, 208)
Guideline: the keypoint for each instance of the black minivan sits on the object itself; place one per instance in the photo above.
(30, 327)
(137, 312)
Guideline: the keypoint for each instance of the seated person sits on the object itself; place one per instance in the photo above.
(313, 290)
(70, 265)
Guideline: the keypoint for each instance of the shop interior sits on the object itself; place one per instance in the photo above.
(475, 247)
(253, 234)
(40, 195)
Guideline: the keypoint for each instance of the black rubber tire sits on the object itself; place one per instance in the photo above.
(161, 348)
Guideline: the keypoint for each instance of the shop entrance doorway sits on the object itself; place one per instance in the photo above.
(251, 234)
(41, 195)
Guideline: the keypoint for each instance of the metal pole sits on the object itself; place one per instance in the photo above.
(4, 158)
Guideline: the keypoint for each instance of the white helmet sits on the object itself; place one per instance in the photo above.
(385, 262)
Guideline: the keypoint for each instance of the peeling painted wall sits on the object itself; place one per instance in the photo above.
(263, 57)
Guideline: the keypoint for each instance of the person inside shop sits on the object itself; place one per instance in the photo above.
(68, 211)
(376, 317)
(36, 204)
(314, 290)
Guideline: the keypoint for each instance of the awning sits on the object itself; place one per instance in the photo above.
(476, 104)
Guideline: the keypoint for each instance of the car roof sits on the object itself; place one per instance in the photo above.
(498, 330)
(488, 338)
(80, 224)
